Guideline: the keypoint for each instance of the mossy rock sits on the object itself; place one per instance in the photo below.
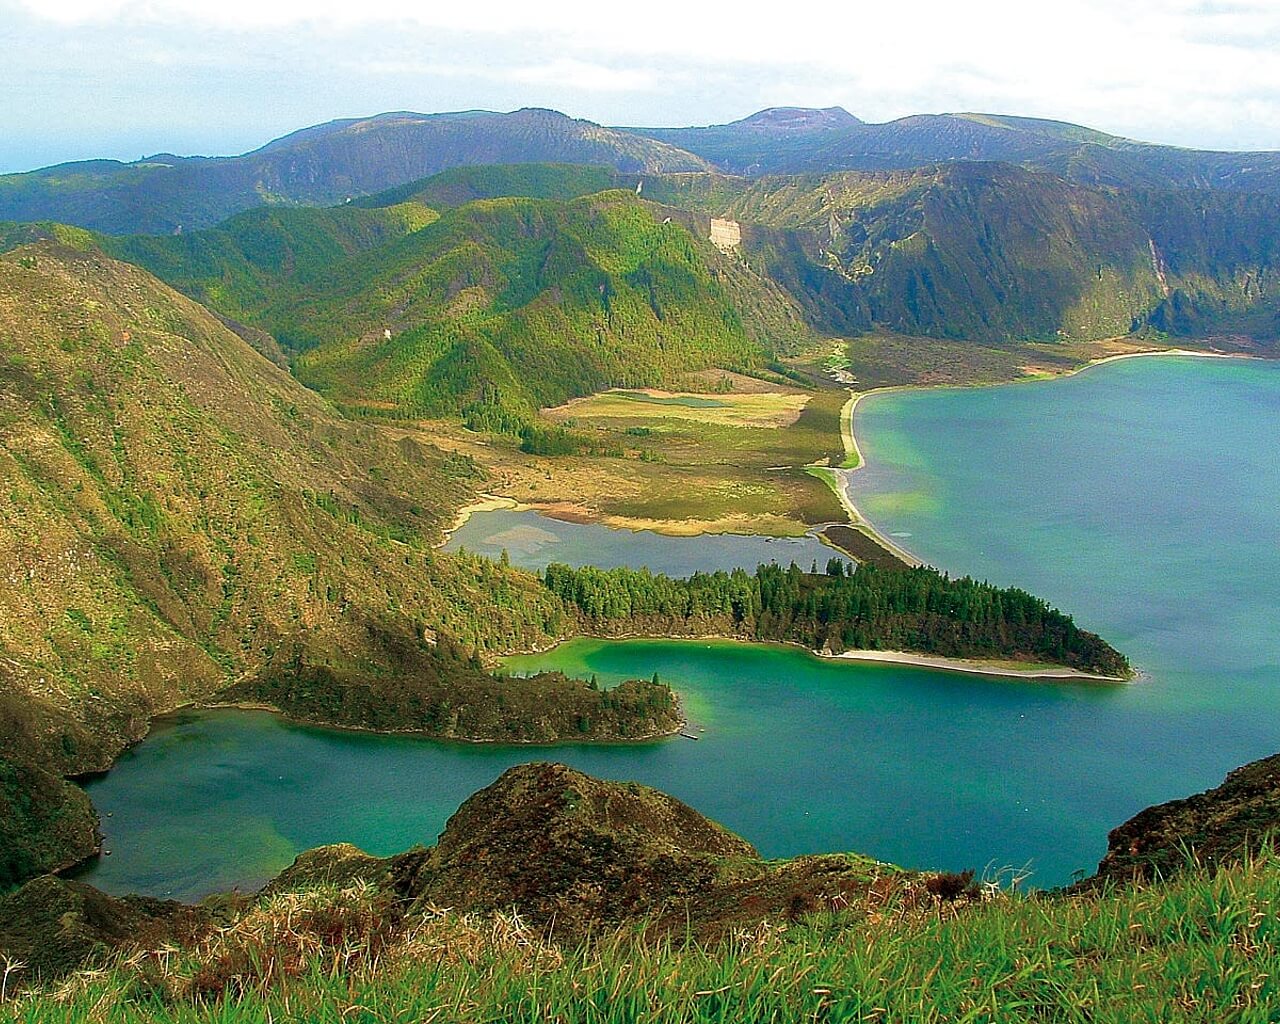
(563, 847)
(1216, 826)
(54, 926)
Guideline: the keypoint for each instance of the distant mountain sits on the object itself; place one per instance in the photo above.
(794, 141)
(349, 160)
(798, 119)
(321, 165)
(765, 141)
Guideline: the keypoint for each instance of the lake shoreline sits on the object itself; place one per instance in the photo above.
(465, 741)
(910, 744)
(992, 668)
(861, 523)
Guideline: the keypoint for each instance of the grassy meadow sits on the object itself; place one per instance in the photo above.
(679, 462)
(884, 359)
(1197, 948)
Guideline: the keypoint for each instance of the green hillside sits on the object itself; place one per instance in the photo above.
(980, 252)
(508, 288)
(519, 304)
(996, 254)
(496, 308)
(241, 266)
(177, 514)
(461, 185)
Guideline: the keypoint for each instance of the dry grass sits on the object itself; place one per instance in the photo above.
(1201, 948)
(760, 409)
(738, 466)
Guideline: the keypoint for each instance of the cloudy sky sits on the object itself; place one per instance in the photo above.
(124, 78)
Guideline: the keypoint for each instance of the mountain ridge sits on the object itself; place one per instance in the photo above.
(320, 165)
(353, 157)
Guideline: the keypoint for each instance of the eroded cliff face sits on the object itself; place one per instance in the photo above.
(1216, 826)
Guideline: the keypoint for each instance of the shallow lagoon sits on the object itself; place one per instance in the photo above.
(532, 541)
(1140, 495)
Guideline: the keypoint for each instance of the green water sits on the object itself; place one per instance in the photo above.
(1140, 495)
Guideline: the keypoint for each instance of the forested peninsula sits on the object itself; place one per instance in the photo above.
(865, 607)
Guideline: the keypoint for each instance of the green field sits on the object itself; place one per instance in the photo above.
(681, 462)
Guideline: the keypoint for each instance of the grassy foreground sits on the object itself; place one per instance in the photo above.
(1196, 948)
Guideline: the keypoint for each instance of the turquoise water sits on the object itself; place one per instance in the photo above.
(532, 540)
(1141, 496)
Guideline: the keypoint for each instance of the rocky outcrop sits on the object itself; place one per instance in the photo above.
(569, 853)
(565, 851)
(52, 925)
(564, 847)
(1216, 826)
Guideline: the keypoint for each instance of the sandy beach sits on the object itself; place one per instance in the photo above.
(485, 503)
(1003, 669)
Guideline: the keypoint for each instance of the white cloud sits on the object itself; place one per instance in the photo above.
(559, 73)
(577, 74)
(1190, 71)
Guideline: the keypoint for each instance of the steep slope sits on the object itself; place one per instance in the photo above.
(518, 303)
(974, 251)
(494, 309)
(1229, 822)
(996, 253)
(968, 251)
(241, 266)
(317, 166)
(461, 185)
(177, 514)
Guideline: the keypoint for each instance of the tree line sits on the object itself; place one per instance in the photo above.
(863, 608)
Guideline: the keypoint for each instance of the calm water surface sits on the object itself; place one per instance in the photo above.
(1141, 495)
(532, 541)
